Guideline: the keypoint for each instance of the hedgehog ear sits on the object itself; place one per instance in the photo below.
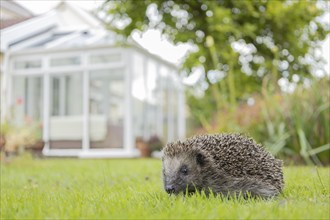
(200, 159)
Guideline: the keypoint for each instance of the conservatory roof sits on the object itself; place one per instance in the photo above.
(63, 38)
(66, 27)
(60, 24)
(73, 39)
(82, 40)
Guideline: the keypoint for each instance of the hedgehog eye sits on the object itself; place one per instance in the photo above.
(184, 170)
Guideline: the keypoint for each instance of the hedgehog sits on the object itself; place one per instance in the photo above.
(225, 164)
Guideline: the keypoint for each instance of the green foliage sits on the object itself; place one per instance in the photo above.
(279, 34)
(132, 189)
(250, 43)
(299, 123)
(294, 126)
(19, 137)
(155, 143)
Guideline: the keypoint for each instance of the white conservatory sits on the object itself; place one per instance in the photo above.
(93, 97)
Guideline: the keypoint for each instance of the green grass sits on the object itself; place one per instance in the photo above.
(132, 189)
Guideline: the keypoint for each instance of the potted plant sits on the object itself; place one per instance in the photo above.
(3, 131)
(19, 138)
(155, 143)
(35, 144)
(143, 147)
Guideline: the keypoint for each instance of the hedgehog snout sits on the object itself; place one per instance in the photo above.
(169, 189)
(169, 185)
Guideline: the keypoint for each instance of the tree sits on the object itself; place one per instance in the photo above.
(239, 42)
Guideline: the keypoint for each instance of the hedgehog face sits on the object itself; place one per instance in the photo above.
(182, 173)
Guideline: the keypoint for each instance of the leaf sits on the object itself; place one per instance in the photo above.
(319, 149)
(304, 146)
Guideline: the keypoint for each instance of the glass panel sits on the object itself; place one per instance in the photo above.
(138, 97)
(28, 103)
(105, 58)
(169, 96)
(67, 61)
(27, 64)
(151, 104)
(164, 72)
(66, 120)
(174, 105)
(56, 96)
(106, 108)
(146, 95)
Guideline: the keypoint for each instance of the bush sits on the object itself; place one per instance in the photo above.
(155, 143)
(292, 126)
(19, 137)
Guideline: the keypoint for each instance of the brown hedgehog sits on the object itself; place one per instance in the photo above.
(227, 164)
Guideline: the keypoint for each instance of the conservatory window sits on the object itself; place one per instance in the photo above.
(138, 96)
(105, 58)
(151, 102)
(66, 61)
(27, 64)
(66, 119)
(106, 107)
(28, 98)
(66, 94)
(174, 111)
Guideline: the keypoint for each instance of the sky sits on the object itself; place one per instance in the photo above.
(151, 40)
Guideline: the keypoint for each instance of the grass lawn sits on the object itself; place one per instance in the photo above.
(124, 189)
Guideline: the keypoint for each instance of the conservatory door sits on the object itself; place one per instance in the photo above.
(66, 119)
(106, 106)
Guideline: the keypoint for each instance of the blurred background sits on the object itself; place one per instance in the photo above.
(121, 78)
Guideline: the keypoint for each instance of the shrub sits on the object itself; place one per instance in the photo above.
(155, 143)
(19, 137)
(292, 126)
